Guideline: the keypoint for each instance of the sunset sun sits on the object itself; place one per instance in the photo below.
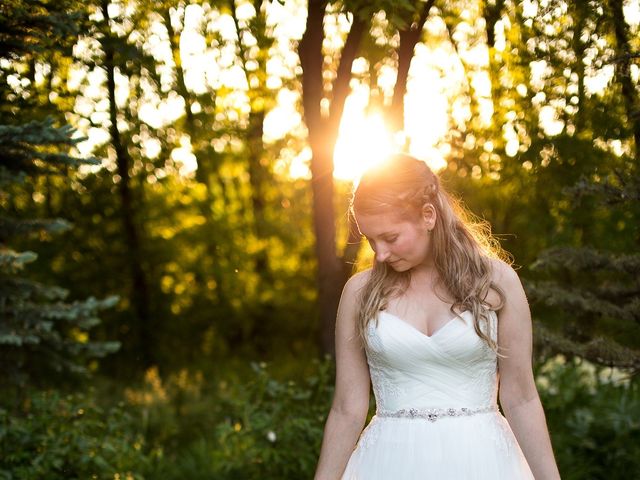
(364, 140)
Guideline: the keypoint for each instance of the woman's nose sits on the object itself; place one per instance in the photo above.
(382, 255)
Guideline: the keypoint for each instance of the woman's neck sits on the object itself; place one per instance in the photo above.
(426, 271)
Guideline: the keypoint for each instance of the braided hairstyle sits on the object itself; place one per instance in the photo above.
(462, 247)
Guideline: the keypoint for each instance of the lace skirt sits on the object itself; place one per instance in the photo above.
(476, 447)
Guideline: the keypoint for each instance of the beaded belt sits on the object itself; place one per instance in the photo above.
(433, 414)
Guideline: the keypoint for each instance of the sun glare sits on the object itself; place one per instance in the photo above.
(364, 140)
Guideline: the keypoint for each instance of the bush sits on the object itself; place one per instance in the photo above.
(275, 431)
(271, 429)
(68, 437)
(184, 427)
(264, 429)
(593, 415)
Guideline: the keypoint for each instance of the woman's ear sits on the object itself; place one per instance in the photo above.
(429, 216)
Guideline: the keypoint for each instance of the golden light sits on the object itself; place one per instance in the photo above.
(441, 78)
(364, 140)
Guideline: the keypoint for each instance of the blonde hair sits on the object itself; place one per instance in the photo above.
(462, 246)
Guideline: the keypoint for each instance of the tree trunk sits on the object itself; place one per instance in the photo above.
(139, 294)
(474, 107)
(579, 47)
(323, 133)
(491, 15)
(259, 175)
(409, 37)
(623, 72)
(203, 172)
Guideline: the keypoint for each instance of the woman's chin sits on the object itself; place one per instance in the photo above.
(399, 266)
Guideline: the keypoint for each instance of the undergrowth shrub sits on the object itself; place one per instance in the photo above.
(593, 415)
(56, 436)
(265, 429)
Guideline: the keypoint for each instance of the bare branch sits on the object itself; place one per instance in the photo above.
(409, 37)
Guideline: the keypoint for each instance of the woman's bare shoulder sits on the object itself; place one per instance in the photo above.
(350, 299)
(353, 288)
(505, 278)
(358, 280)
(503, 274)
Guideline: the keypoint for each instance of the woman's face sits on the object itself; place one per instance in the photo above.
(401, 243)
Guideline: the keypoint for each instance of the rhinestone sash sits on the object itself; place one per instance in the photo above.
(433, 414)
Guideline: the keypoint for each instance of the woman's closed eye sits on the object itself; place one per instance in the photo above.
(390, 239)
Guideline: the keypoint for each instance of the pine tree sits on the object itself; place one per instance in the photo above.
(42, 334)
(598, 289)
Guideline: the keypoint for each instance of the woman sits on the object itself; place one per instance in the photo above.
(430, 326)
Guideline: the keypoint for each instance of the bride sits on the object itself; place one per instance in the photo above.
(430, 326)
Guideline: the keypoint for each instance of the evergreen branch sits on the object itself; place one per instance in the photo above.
(619, 291)
(82, 313)
(599, 350)
(586, 259)
(92, 349)
(553, 294)
(12, 261)
(626, 189)
(23, 289)
(37, 132)
(25, 148)
(8, 177)
(15, 340)
(634, 308)
(34, 25)
(11, 227)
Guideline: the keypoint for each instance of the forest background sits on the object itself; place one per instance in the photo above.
(174, 233)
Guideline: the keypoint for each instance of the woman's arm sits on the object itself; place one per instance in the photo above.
(518, 394)
(351, 399)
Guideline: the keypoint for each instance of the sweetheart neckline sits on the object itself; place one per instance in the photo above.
(420, 332)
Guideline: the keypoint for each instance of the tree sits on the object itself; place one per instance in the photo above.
(42, 335)
(563, 172)
(115, 55)
(323, 133)
(598, 289)
(406, 17)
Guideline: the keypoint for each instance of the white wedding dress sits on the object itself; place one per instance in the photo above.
(436, 415)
